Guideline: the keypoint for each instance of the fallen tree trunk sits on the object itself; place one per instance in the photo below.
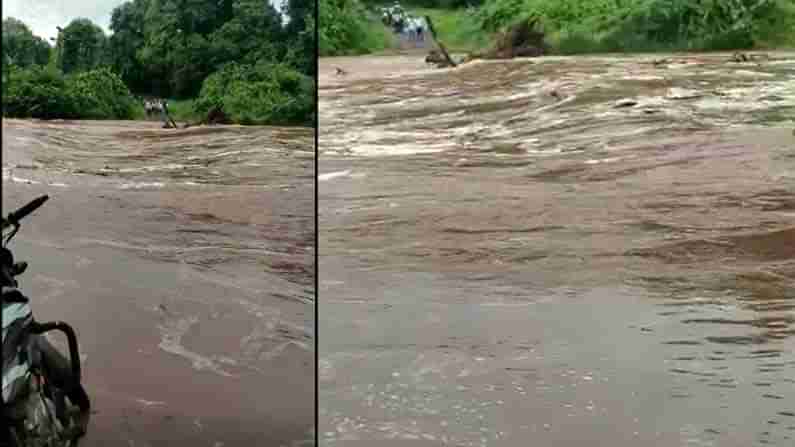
(447, 59)
(522, 39)
(216, 115)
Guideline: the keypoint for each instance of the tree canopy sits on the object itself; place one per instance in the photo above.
(171, 48)
(21, 47)
(81, 46)
(168, 47)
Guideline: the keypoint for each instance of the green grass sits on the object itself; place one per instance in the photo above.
(377, 37)
(182, 110)
(457, 29)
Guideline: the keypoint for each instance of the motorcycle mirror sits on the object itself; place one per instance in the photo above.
(19, 268)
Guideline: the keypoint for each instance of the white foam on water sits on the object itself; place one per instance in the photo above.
(149, 403)
(8, 175)
(645, 78)
(171, 342)
(24, 180)
(141, 185)
(603, 160)
(165, 167)
(375, 150)
(333, 175)
(223, 154)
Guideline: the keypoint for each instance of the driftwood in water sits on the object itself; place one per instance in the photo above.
(523, 39)
(169, 122)
(447, 60)
(216, 115)
(435, 57)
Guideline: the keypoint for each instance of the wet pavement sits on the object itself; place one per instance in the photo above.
(573, 251)
(184, 259)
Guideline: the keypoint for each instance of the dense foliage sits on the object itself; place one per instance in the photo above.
(21, 47)
(170, 48)
(626, 25)
(435, 4)
(101, 93)
(578, 26)
(346, 27)
(42, 92)
(264, 93)
(81, 46)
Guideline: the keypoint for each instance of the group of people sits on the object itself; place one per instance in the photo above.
(395, 17)
(157, 106)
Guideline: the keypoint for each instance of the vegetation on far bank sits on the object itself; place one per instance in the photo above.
(346, 27)
(238, 56)
(459, 29)
(582, 26)
(589, 26)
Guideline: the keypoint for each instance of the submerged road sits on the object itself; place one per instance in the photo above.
(563, 251)
(185, 261)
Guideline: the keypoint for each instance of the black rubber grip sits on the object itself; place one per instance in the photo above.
(21, 213)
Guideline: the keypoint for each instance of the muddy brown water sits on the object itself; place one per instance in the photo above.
(563, 251)
(184, 259)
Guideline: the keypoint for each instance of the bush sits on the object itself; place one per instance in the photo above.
(45, 93)
(458, 29)
(264, 93)
(345, 27)
(643, 25)
(37, 92)
(101, 94)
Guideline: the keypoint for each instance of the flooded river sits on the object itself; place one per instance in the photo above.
(184, 259)
(574, 251)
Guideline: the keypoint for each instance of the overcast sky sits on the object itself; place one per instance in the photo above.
(42, 16)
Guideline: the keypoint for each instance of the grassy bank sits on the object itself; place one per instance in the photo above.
(183, 110)
(458, 29)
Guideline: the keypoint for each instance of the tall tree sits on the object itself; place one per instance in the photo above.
(301, 27)
(127, 25)
(82, 46)
(21, 47)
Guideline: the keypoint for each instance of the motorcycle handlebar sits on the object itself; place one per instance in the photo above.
(21, 213)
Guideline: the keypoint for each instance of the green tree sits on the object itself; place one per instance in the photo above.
(37, 92)
(301, 29)
(264, 93)
(21, 47)
(127, 25)
(100, 94)
(253, 33)
(82, 46)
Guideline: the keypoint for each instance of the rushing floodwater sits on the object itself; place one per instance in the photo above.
(185, 261)
(563, 251)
